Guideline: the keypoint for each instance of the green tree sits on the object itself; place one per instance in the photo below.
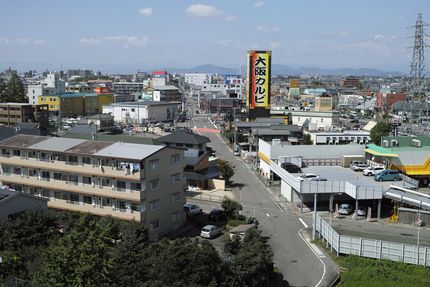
(2, 88)
(80, 258)
(129, 261)
(231, 245)
(183, 262)
(381, 129)
(307, 139)
(14, 91)
(231, 207)
(226, 169)
(253, 264)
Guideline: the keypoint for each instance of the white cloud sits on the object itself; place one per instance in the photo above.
(22, 41)
(275, 45)
(4, 40)
(384, 37)
(226, 42)
(125, 40)
(146, 11)
(90, 41)
(201, 10)
(39, 42)
(258, 4)
(231, 18)
(268, 29)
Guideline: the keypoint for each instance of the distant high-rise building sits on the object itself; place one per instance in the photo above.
(351, 82)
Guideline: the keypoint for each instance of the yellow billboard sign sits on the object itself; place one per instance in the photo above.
(259, 79)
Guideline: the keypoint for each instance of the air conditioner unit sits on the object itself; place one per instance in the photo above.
(385, 143)
(416, 143)
(394, 143)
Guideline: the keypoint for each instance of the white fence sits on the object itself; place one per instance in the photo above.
(357, 192)
(372, 248)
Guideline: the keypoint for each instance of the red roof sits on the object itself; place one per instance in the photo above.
(159, 73)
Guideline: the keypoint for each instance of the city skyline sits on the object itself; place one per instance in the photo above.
(112, 36)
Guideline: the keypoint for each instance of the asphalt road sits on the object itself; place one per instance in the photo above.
(297, 262)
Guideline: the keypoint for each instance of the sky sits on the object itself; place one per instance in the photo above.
(127, 35)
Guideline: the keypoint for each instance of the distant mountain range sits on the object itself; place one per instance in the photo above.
(279, 69)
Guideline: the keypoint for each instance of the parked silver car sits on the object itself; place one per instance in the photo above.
(210, 231)
(345, 209)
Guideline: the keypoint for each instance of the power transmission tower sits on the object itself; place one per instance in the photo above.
(417, 104)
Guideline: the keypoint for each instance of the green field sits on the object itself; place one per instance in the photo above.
(359, 271)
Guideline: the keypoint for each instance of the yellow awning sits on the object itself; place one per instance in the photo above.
(374, 152)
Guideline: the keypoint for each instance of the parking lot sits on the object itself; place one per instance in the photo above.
(338, 173)
(195, 224)
(379, 230)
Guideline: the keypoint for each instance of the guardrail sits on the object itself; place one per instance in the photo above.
(372, 248)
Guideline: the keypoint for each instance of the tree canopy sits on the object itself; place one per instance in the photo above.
(381, 129)
(70, 249)
(226, 169)
(13, 91)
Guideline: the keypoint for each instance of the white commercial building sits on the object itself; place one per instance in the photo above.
(52, 85)
(197, 79)
(346, 137)
(142, 112)
(312, 120)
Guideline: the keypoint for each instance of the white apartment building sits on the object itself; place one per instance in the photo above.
(52, 85)
(197, 79)
(137, 182)
(141, 112)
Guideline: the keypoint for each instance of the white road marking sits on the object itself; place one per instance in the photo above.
(268, 215)
(319, 257)
(303, 222)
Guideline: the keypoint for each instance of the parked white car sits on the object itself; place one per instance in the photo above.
(311, 177)
(345, 209)
(358, 166)
(372, 170)
(210, 231)
(192, 209)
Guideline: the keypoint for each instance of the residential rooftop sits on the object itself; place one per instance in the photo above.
(77, 146)
(184, 137)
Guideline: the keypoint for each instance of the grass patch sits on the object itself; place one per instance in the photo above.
(361, 271)
(235, 222)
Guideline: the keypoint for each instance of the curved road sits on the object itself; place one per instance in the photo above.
(297, 262)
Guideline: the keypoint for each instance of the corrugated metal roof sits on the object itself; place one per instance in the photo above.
(56, 144)
(129, 151)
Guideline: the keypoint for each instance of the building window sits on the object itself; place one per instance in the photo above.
(176, 197)
(57, 195)
(155, 224)
(120, 185)
(179, 145)
(135, 207)
(16, 152)
(189, 145)
(175, 158)
(153, 164)
(88, 199)
(175, 178)
(155, 204)
(86, 179)
(46, 175)
(74, 198)
(155, 184)
(121, 205)
(136, 186)
(86, 160)
(73, 179)
(176, 216)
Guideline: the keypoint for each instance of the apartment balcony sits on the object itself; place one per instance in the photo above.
(95, 209)
(86, 189)
(70, 167)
